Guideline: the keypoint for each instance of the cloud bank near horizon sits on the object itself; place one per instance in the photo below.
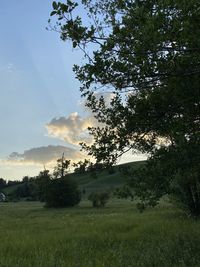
(71, 129)
(32, 161)
(45, 155)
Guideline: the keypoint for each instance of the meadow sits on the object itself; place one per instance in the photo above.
(114, 236)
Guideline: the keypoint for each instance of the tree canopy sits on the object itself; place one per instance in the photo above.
(147, 54)
(58, 190)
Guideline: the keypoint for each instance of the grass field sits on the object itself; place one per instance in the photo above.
(115, 236)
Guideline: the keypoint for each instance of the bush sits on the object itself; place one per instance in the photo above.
(99, 199)
(28, 190)
(62, 192)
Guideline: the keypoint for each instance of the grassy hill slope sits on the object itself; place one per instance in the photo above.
(105, 181)
(102, 181)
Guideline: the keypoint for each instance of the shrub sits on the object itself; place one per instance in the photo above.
(99, 199)
(62, 192)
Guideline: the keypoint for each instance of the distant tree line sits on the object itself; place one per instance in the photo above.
(56, 189)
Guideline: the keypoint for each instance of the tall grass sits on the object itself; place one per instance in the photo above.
(31, 236)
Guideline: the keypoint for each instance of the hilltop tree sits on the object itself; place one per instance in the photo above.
(81, 166)
(147, 53)
(61, 168)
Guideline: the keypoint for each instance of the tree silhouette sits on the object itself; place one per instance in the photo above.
(147, 53)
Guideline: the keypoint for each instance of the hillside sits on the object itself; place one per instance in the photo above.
(101, 181)
(105, 181)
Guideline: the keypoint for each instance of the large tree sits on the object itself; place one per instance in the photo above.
(147, 53)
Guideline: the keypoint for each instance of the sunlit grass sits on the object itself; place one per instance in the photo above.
(117, 235)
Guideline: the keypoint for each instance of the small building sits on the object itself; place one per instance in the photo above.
(2, 197)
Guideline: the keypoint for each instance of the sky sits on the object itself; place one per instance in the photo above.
(41, 111)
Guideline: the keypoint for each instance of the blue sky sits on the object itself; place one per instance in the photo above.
(40, 109)
(36, 78)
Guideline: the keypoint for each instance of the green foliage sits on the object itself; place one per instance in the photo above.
(58, 190)
(89, 167)
(147, 53)
(85, 181)
(13, 183)
(42, 181)
(62, 192)
(173, 171)
(28, 191)
(81, 166)
(2, 183)
(61, 168)
(124, 191)
(99, 199)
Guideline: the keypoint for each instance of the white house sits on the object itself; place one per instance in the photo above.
(2, 197)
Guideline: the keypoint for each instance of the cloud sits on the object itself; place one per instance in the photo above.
(72, 129)
(31, 161)
(42, 155)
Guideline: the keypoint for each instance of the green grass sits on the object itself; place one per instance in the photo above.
(115, 236)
